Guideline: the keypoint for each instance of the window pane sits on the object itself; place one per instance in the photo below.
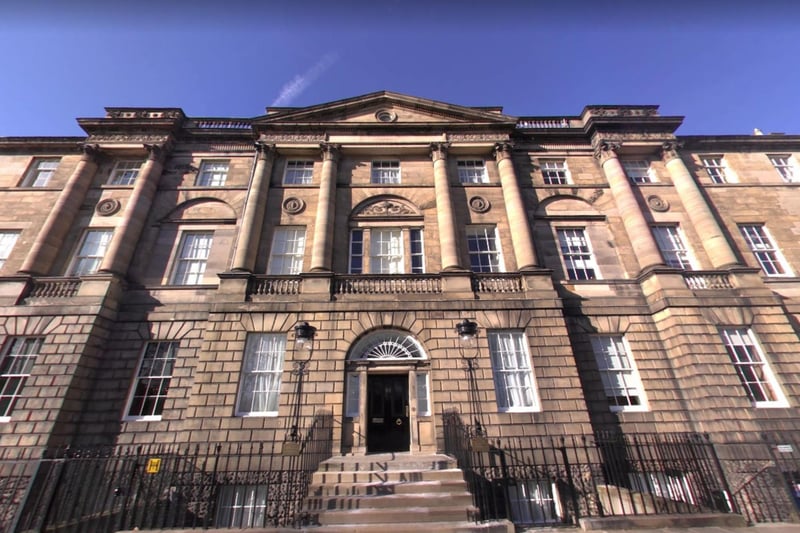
(484, 250)
(356, 251)
(512, 371)
(91, 252)
(423, 395)
(153, 379)
(386, 251)
(578, 258)
(637, 171)
(7, 241)
(762, 246)
(617, 372)
(472, 172)
(554, 172)
(125, 172)
(288, 250)
(18, 356)
(40, 172)
(298, 172)
(261, 374)
(385, 172)
(673, 249)
(192, 257)
(751, 367)
(352, 408)
(213, 173)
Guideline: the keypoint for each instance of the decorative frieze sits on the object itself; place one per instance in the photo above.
(128, 138)
(476, 137)
(292, 138)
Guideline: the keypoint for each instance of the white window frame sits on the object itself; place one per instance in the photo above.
(352, 408)
(190, 270)
(242, 506)
(672, 244)
(385, 172)
(261, 375)
(423, 389)
(618, 373)
(85, 260)
(156, 366)
(472, 171)
(386, 251)
(535, 501)
(40, 172)
(763, 247)
(484, 250)
(369, 253)
(8, 239)
(752, 367)
(213, 173)
(125, 172)
(16, 361)
(287, 251)
(298, 172)
(515, 383)
(785, 166)
(639, 170)
(555, 171)
(717, 169)
(577, 254)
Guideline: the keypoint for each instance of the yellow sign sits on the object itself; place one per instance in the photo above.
(153, 465)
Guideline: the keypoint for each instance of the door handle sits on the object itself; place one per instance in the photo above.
(406, 410)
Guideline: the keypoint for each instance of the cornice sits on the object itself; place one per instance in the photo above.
(42, 144)
(753, 142)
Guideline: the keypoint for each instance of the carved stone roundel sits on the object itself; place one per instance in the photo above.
(657, 203)
(479, 204)
(293, 205)
(107, 207)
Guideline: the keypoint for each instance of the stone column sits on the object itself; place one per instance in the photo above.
(42, 255)
(321, 251)
(639, 232)
(444, 209)
(127, 233)
(247, 244)
(716, 245)
(521, 235)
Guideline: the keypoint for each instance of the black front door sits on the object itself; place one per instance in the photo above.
(387, 413)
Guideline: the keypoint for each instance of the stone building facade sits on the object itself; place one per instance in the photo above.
(621, 277)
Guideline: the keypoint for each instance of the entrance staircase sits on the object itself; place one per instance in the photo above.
(393, 492)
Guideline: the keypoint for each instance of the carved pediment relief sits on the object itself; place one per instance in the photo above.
(384, 208)
(385, 108)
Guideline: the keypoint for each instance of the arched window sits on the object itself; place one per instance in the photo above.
(388, 344)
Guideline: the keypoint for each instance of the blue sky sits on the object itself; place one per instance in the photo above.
(727, 66)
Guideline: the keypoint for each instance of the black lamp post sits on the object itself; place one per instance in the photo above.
(468, 345)
(304, 349)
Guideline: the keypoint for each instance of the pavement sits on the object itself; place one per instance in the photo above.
(781, 527)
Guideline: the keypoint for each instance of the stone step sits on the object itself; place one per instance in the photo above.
(388, 461)
(393, 501)
(401, 515)
(429, 527)
(382, 489)
(322, 477)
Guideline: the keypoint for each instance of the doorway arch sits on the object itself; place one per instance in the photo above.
(387, 394)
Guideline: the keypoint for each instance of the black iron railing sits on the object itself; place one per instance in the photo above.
(169, 486)
(559, 480)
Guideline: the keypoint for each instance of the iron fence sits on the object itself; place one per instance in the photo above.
(164, 486)
(764, 476)
(551, 481)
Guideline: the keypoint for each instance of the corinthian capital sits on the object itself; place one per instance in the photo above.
(669, 150)
(90, 151)
(606, 150)
(264, 149)
(439, 151)
(503, 151)
(330, 152)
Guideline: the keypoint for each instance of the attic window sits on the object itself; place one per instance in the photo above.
(385, 116)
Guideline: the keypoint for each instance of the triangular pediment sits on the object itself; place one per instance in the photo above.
(385, 108)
